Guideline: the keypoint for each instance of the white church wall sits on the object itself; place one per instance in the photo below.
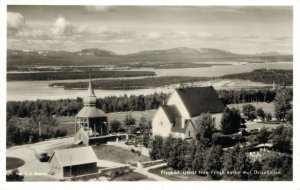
(161, 124)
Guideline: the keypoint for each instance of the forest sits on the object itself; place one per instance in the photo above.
(119, 84)
(32, 76)
(268, 76)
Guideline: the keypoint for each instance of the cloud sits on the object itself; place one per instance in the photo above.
(281, 38)
(15, 23)
(179, 34)
(152, 35)
(62, 27)
(98, 8)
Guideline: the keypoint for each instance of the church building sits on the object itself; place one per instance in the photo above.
(90, 122)
(177, 117)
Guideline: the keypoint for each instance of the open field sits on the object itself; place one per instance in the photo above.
(12, 163)
(117, 154)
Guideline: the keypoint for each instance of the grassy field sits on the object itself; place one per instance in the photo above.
(117, 154)
(267, 107)
(12, 163)
(177, 177)
(132, 176)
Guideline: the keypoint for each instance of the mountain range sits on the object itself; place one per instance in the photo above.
(94, 56)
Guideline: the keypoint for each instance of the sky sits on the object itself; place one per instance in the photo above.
(130, 29)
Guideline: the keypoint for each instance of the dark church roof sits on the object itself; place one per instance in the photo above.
(199, 100)
(172, 112)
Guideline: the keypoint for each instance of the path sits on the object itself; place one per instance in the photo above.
(145, 171)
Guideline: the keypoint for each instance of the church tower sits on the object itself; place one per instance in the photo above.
(90, 122)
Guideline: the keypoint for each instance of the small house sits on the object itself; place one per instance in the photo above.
(73, 162)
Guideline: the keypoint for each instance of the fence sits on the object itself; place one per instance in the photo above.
(149, 163)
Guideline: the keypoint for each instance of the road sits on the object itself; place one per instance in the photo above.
(145, 171)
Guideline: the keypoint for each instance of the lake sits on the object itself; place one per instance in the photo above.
(33, 90)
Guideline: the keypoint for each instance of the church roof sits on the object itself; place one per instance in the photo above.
(199, 100)
(90, 112)
(75, 156)
(171, 111)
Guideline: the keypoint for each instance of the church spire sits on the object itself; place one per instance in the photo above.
(91, 90)
(90, 98)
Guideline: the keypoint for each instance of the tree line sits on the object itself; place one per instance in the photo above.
(119, 84)
(75, 75)
(70, 107)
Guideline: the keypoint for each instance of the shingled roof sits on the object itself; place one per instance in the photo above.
(90, 112)
(199, 100)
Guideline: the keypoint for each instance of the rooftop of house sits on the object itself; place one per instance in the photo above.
(75, 156)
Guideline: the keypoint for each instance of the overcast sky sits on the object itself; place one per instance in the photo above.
(128, 29)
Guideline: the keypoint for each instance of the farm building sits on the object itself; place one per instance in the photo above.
(90, 122)
(177, 117)
(73, 162)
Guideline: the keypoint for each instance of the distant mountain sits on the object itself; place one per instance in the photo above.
(270, 53)
(182, 53)
(150, 58)
(95, 52)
